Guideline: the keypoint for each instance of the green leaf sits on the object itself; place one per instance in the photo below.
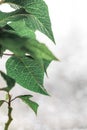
(21, 29)
(33, 105)
(2, 49)
(45, 65)
(9, 81)
(39, 50)
(13, 43)
(13, 16)
(38, 18)
(7, 28)
(27, 72)
(1, 102)
(21, 45)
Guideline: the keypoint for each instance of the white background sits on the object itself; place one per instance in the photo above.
(66, 109)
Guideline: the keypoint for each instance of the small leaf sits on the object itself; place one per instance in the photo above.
(33, 105)
(1, 102)
(9, 81)
(28, 72)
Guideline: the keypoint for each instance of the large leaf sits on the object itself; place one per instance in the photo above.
(28, 72)
(9, 81)
(21, 45)
(39, 50)
(38, 18)
(33, 105)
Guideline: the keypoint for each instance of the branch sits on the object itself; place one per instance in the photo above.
(14, 98)
(9, 113)
(6, 54)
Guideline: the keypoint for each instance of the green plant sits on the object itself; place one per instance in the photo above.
(29, 58)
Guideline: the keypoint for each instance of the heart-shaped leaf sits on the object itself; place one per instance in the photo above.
(27, 72)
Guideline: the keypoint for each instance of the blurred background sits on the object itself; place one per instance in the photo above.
(66, 108)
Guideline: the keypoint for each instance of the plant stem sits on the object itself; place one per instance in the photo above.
(7, 54)
(9, 113)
